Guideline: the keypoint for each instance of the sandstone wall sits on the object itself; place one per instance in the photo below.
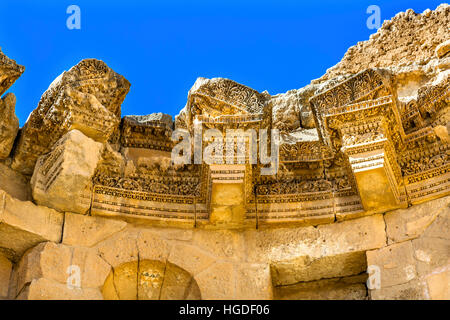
(410, 247)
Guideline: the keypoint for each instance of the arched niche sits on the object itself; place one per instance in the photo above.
(150, 280)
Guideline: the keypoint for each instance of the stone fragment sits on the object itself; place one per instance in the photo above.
(46, 260)
(9, 124)
(14, 183)
(286, 111)
(87, 231)
(74, 266)
(62, 179)
(10, 71)
(87, 98)
(23, 225)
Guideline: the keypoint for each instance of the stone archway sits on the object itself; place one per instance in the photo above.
(150, 280)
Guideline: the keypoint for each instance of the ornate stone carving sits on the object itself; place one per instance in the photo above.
(87, 98)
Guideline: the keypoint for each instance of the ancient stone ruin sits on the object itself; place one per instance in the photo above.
(93, 207)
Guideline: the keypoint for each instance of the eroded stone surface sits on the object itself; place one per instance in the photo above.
(406, 224)
(87, 98)
(80, 268)
(23, 225)
(10, 71)
(62, 179)
(14, 183)
(86, 231)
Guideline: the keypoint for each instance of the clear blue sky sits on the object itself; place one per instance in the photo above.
(161, 47)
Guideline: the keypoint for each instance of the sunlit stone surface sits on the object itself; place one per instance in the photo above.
(92, 206)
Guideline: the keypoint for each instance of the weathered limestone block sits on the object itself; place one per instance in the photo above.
(286, 111)
(152, 247)
(14, 183)
(253, 282)
(306, 254)
(190, 258)
(417, 268)
(396, 262)
(410, 223)
(46, 289)
(87, 98)
(62, 179)
(23, 225)
(87, 231)
(120, 248)
(46, 260)
(348, 288)
(9, 124)
(217, 282)
(69, 266)
(308, 268)
(5, 276)
(10, 71)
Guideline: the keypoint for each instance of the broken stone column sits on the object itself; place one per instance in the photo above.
(62, 179)
(87, 98)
